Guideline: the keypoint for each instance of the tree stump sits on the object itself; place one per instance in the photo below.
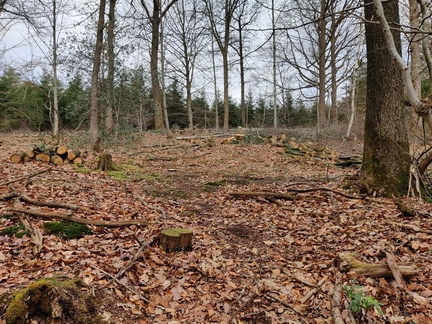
(105, 163)
(176, 239)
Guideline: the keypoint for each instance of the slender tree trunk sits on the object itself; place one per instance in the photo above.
(55, 78)
(216, 104)
(386, 150)
(415, 65)
(94, 94)
(226, 88)
(243, 110)
(109, 120)
(321, 109)
(154, 70)
(163, 89)
(275, 113)
(333, 67)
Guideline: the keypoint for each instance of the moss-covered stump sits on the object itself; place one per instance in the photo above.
(53, 300)
(176, 239)
(105, 163)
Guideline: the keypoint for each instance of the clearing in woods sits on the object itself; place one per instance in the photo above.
(256, 257)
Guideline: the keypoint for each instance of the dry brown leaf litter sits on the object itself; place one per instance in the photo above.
(245, 249)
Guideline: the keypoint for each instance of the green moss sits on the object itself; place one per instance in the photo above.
(15, 230)
(82, 170)
(67, 230)
(51, 299)
(213, 185)
(118, 175)
(175, 231)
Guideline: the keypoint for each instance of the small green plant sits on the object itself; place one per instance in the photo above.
(67, 230)
(358, 302)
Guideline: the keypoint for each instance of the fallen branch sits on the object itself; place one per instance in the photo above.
(264, 194)
(274, 297)
(336, 301)
(163, 212)
(47, 203)
(349, 262)
(25, 177)
(71, 218)
(313, 291)
(410, 226)
(339, 192)
(391, 262)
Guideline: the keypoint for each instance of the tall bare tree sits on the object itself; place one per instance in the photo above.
(109, 120)
(155, 13)
(94, 93)
(186, 41)
(222, 36)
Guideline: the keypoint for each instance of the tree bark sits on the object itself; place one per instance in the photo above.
(94, 94)
(386, 150)
(109, 120)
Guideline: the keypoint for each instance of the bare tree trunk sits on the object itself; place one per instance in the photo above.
(243, 110)
(275, 113)
(163, 89)
(216, 104)
(415, 48)
(355, 84)
(321, 109)
(109, 121)
(155, 19)
(386, 157)
(54, 66)
(94, 94)
(426, 40)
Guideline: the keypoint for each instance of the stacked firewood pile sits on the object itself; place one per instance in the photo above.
(57, 155)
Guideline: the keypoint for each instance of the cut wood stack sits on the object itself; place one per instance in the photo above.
(57, 155)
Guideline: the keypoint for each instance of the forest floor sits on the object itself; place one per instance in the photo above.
(254, 260)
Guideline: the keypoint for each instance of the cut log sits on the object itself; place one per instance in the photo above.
(61, 150)
(18, 157)
(31, 154)
(43, 157)
(57, 160)
(176, 239)
(347, 261)
(77, 160)
(73, 155)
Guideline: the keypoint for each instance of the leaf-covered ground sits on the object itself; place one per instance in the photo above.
(253, 260)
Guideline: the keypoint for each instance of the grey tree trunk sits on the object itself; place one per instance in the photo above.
(109, 120)
(321, 109)
(94, 94)
(55, 110)
(386, 150)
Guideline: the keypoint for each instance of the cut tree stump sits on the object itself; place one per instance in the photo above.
(176, 239)
(105, 163)
(348, 261)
